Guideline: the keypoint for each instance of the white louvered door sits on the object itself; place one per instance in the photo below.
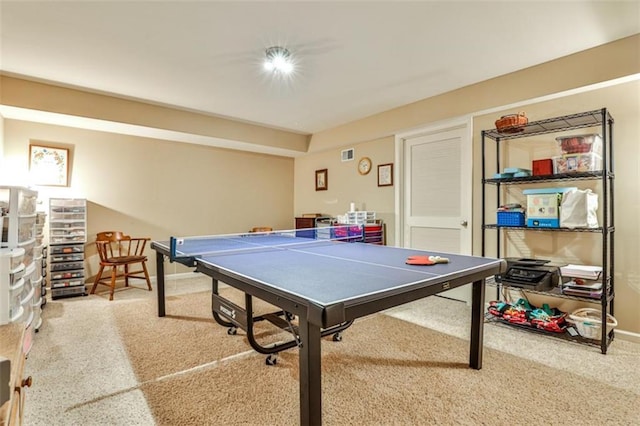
(437, 194)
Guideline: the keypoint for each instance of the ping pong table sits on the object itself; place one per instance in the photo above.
(324, 283)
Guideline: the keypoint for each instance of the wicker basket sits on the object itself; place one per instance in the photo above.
(512, 123)
(588, 322)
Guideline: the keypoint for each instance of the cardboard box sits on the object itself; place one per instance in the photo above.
(543, 207)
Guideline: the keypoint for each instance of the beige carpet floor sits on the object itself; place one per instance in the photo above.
(385, 372)
(96, 363)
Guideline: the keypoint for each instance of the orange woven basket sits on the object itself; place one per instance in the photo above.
(512, 123)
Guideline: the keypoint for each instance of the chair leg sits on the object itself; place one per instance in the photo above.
(114, 273)
(146, 274)
(97, 280)
(126, 275)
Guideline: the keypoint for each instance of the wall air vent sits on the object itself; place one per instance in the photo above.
(347, 154)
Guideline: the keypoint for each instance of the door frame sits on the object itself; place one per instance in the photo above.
(466, 122)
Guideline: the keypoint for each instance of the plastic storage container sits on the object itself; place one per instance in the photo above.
(577, 144)
(510, 219)
(577, 163)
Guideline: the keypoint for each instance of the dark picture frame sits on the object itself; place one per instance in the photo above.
(385, 174)
(322, 180)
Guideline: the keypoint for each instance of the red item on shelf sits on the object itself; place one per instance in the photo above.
(542, 167)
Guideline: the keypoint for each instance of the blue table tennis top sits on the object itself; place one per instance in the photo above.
(328, 272)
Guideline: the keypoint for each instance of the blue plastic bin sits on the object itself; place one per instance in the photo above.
(510, 219)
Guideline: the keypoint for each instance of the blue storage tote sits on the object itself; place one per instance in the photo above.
(510, 219)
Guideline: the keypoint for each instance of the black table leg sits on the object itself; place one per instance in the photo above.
(477, 324)
(160, 282)
(310, 373)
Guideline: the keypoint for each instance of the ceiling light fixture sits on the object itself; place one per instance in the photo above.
(278, 60)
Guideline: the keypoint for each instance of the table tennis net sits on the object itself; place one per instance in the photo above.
(227, 244)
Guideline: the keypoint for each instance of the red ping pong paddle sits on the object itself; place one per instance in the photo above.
(425, 260)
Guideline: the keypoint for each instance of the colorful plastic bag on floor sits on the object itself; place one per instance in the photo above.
(523, 313)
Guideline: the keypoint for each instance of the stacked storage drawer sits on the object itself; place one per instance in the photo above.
(17, 267)
(374, 233)
(67, 237)
(12, 285)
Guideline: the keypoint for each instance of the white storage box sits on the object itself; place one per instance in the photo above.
(543, 206)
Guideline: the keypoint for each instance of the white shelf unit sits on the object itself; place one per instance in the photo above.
(18, 271)
(67, 238)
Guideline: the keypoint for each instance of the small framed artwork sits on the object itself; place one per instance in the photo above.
(322, 180)
(49, 165)
(385, 174)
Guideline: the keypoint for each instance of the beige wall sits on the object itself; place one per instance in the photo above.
(345, 184)
(156, 188)
(615, 60)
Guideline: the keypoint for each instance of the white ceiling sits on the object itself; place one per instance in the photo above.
(355, 58)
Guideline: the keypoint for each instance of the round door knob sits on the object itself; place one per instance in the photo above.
(27, 382)
(464, 223)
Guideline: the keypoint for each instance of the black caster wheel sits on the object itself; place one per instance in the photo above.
(271, 359)
(337, 337)
(232, 331)
(289, 316)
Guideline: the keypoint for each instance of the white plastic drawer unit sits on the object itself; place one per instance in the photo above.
(25, 199)
(66, 266)
(66, 275)
(16, 258)
(27, 293)
(70, 249)
(17, 269)
(67, 224)
(28, 252)
(62, 216)
(27, 202)
(66, 283)
(67, 257)
(26, 228)
(59, 213)
(37, 286)
(67, 239)
(15, 299)
(15, 284)
(67, 232)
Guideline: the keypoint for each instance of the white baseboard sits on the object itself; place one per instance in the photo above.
(628, 336)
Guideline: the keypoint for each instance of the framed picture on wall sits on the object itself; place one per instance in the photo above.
(322, 179)
(385, 174)
(49, 165)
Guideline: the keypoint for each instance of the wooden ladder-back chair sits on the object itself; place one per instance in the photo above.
(119, 252)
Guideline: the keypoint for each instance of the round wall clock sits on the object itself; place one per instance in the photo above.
(364, 165)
